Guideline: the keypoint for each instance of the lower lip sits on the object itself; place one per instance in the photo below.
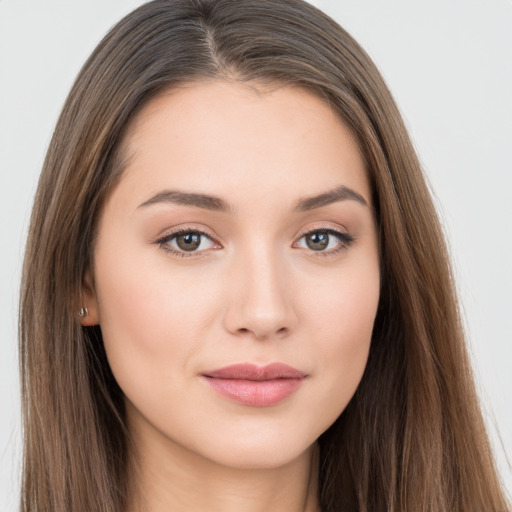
(262, 393)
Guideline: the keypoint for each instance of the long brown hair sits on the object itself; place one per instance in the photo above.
(412, 438)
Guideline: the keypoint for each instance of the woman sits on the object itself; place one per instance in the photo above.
(236, 293)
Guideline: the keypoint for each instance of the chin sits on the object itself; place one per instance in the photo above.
(255, 457)
(266, 448)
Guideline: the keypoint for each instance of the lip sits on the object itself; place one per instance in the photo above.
(256, 386)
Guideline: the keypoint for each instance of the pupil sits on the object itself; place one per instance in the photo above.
(317, 241)
(189, 241)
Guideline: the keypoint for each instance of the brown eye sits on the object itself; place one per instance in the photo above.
(327, 241)
(317, 241)
(188, 241)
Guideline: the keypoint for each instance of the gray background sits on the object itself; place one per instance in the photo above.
(449, 65)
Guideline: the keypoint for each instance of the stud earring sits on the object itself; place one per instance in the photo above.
(83, 312)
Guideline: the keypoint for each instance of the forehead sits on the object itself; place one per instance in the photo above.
(236, 139)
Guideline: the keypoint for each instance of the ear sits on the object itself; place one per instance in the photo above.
(89, 302)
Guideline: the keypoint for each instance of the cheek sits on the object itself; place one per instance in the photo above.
(351, 315)
(145, 310)
(345, 317)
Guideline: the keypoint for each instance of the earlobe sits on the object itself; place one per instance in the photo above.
(88, 313)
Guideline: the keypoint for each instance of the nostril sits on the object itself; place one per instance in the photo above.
(245, 330)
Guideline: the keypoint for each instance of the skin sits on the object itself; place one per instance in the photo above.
(255, 291)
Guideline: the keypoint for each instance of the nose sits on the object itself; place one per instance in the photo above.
(261, 296)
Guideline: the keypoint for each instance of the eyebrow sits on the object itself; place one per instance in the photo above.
(208, 202)
(340, 193)
(187, 199)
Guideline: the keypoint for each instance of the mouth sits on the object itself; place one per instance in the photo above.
(256, 386)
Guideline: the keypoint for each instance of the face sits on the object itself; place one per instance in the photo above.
(236, 273)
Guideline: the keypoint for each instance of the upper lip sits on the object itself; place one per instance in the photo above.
(250, 371)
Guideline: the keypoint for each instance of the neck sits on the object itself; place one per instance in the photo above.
(174, 479)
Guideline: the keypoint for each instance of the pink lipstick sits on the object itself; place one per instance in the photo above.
(257, 386)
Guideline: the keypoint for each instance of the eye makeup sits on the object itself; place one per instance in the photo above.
(193, 237)
(320, 240)
(321, 237)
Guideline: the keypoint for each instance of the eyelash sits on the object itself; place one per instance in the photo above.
(162, 242)
(345, 241)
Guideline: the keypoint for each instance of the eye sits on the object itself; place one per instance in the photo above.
(185, 241)
(325, 240)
